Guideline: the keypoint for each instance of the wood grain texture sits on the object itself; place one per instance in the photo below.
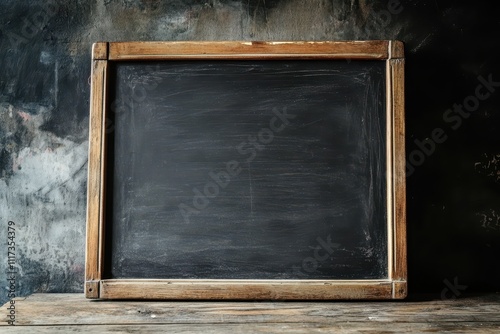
(100, 51)
(92, 289)
(389, 169)
(95, 170)
(64, 313)
(399, 289)
(396, 50)
(341, 328)
(249, 50)
(399, 271)
(241, 289)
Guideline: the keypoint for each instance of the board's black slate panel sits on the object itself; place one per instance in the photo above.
(248, 169)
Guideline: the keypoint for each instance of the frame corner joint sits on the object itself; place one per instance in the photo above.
(92, 289)
(399, 289)
(100, 51)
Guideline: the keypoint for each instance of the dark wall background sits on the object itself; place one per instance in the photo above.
(453, 186)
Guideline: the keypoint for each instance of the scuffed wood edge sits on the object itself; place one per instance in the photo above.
(93, 259)
(389, 168)
(399, 271)
(92, 289)
(245, 289)
(104, 159)
(100, 51)
(399, 289)
(249, 50)
(396, 49)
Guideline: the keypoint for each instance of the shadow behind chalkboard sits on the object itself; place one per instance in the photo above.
(230, 169)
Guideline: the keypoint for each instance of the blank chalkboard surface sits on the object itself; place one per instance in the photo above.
(242, 169)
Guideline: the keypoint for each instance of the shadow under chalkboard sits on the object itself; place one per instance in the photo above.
(247, 170)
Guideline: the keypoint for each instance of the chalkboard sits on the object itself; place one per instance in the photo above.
(246, 169)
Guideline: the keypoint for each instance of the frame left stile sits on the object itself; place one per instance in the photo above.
(95, 183)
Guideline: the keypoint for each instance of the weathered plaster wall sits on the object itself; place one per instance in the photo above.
(453, 191)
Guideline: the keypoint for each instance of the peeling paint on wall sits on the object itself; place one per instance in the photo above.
(43, 191)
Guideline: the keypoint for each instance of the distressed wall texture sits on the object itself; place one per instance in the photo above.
(453, 183)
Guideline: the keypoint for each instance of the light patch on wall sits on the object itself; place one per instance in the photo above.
(45, 196)
(46, 58)
(176, 26)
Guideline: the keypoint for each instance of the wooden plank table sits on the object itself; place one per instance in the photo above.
(72, 313)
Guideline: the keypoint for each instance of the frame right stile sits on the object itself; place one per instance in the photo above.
(396, 169)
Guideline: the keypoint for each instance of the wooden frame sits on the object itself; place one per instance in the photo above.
(394, 287)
